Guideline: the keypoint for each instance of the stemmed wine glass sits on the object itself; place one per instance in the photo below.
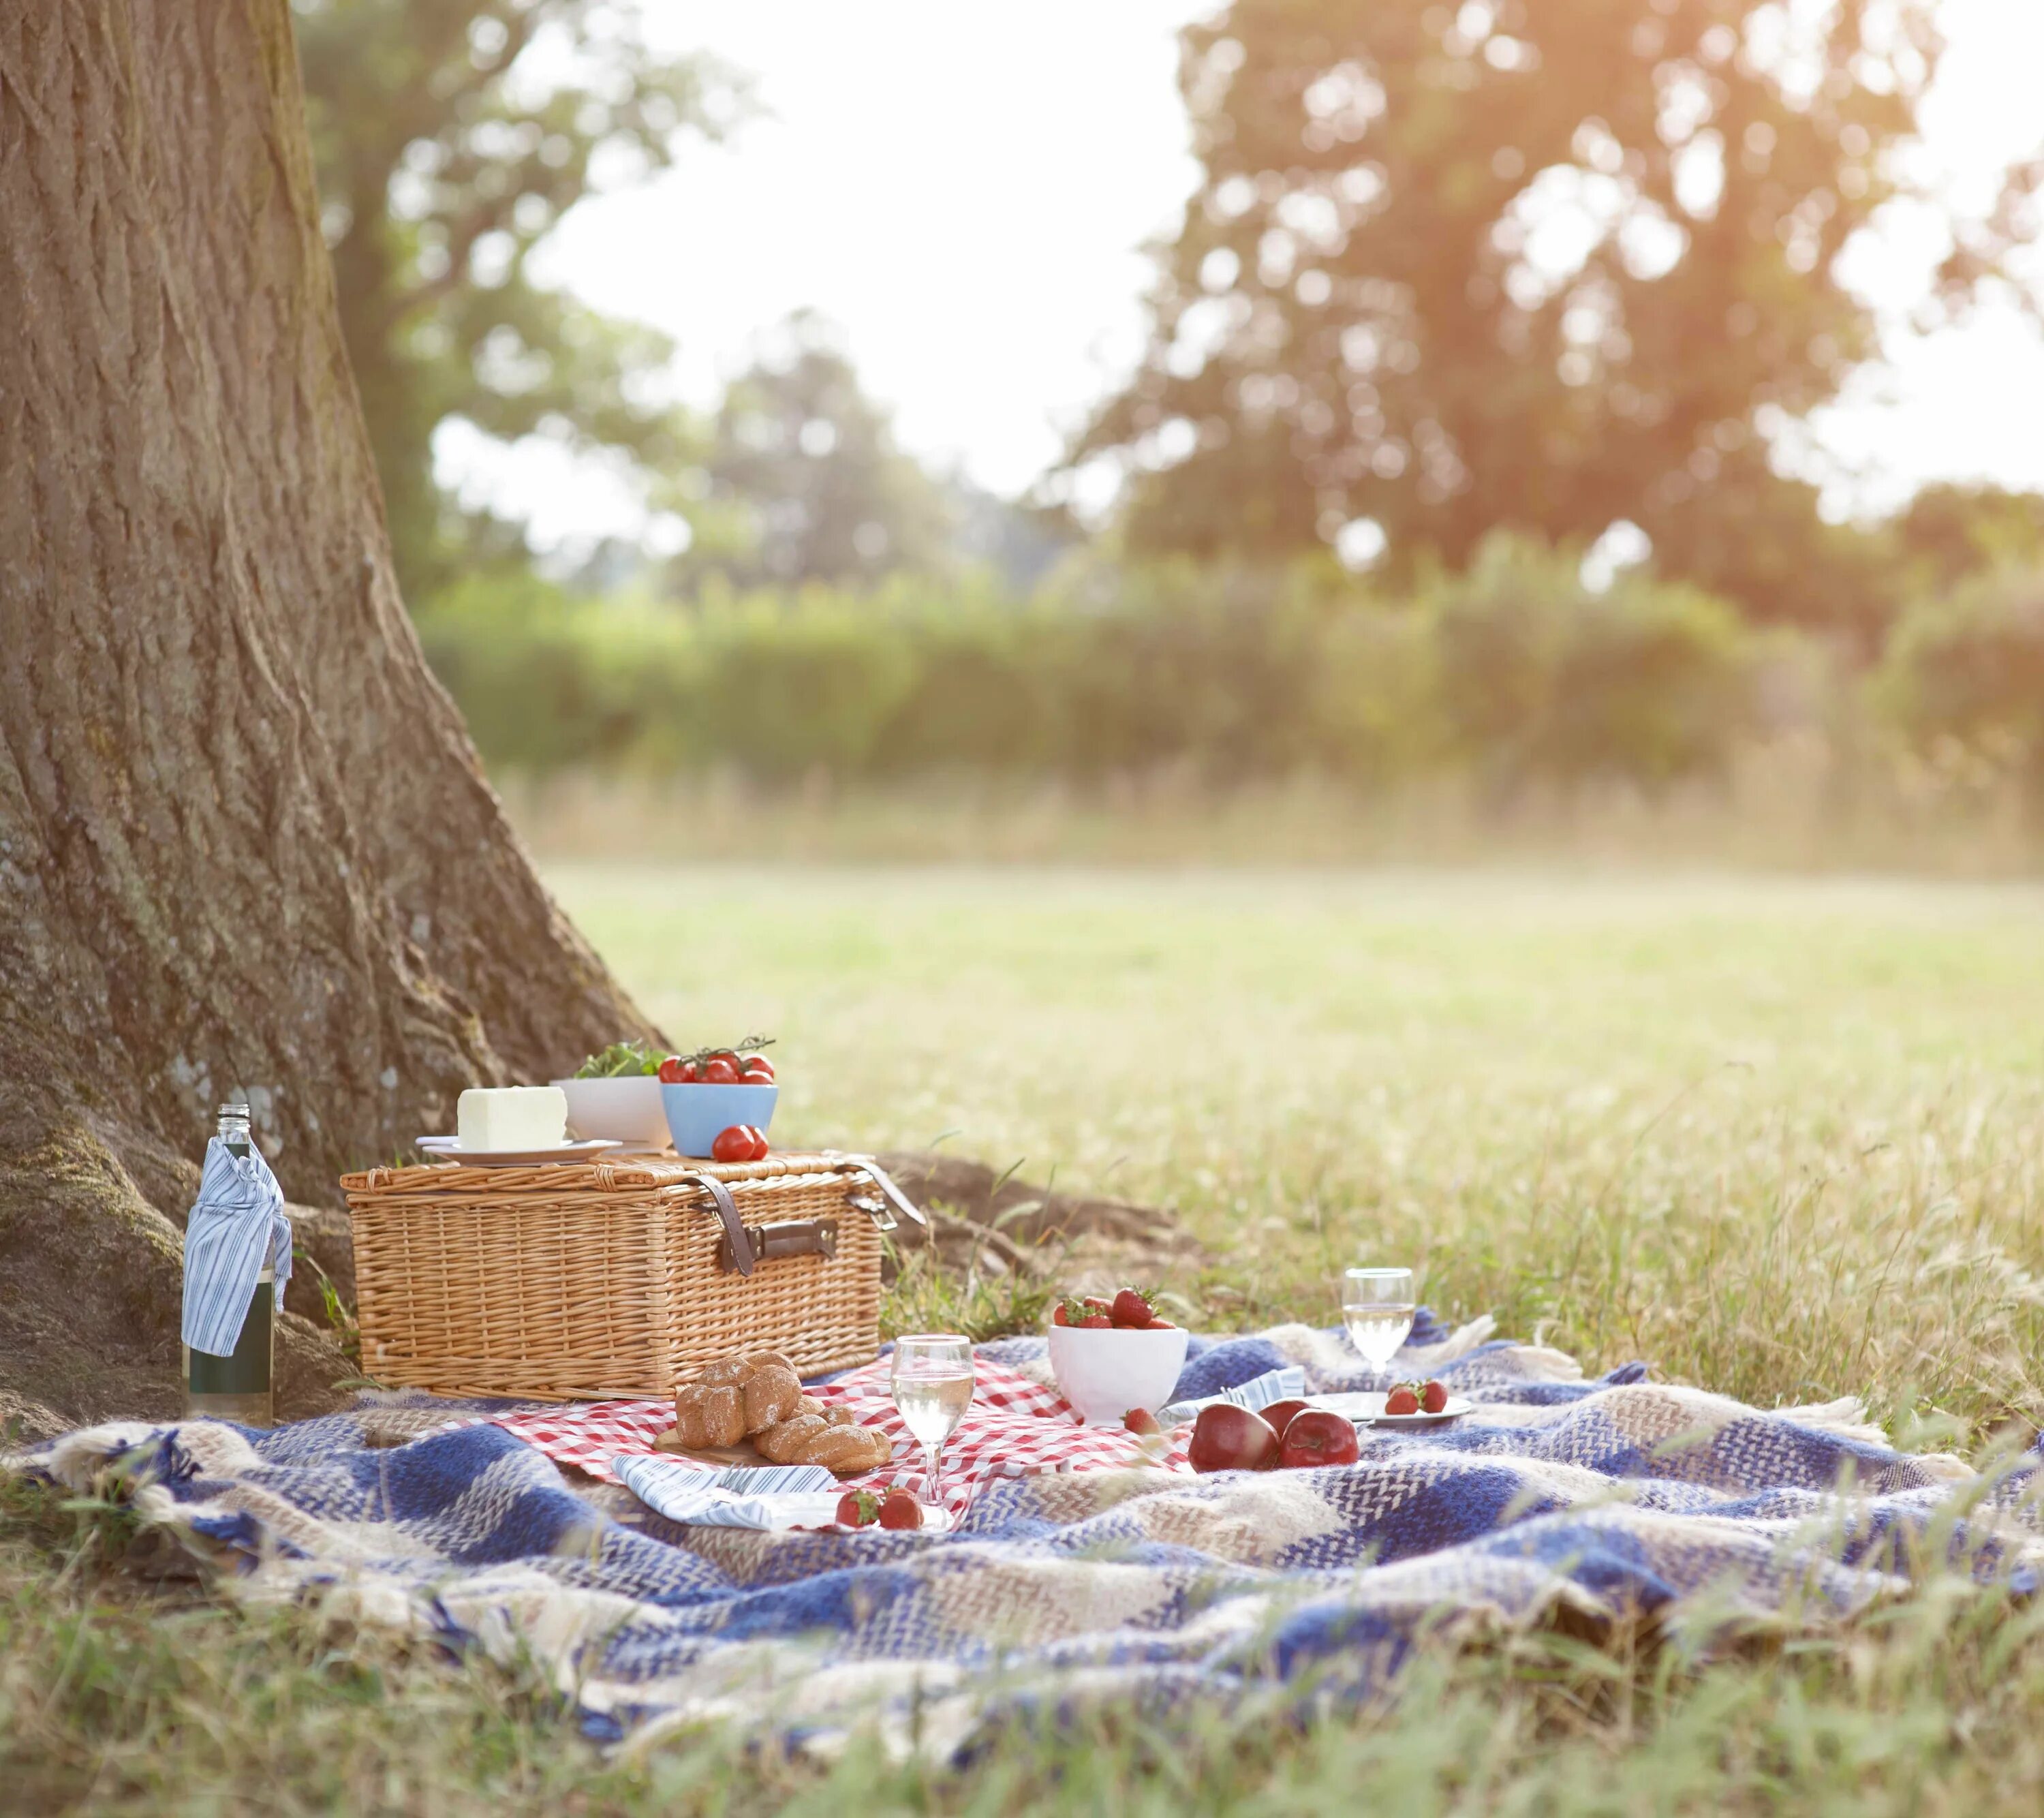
(932, 1386)
(1378, 1307)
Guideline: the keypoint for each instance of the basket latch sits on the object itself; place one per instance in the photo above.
(875, 1208)
(879, 1175)
(791, 1237)
(737, 1246)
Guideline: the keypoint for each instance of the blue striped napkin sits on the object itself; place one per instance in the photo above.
(235, 1225)
(763, 1497)
(1264, 1391)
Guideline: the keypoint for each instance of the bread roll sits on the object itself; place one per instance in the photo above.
(734, 1397)
(830, 1438)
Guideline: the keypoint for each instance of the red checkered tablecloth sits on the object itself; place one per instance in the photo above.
(1013, 1428)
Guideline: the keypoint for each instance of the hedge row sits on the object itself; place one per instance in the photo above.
(1514, 670)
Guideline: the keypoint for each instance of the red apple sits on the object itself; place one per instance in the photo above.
(1279, 1413)
(1228, 1438)
(1319, 1437)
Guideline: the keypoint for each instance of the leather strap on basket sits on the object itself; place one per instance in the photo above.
(736, 1238)
(866, 1165)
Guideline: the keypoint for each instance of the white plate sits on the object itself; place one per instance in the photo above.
(1365, 1408)
(936, 1519)
(449, 1148)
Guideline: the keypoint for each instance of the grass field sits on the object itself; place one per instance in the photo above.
(1784, 1139)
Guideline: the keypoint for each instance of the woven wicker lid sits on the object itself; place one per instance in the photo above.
(634, 1175)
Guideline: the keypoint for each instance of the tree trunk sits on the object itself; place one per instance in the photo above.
(245, 845)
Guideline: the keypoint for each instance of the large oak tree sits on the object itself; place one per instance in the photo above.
(1542, 264)
(451, 138)
(244, 841)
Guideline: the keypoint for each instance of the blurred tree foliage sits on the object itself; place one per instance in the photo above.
(1949, 532)
(451, 136)
(1963, 675)
(1542, 265)
(802, 480)
(1513, 671)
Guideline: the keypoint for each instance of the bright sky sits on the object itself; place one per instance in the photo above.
(966, 187)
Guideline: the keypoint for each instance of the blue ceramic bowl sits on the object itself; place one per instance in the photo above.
(697, 1115)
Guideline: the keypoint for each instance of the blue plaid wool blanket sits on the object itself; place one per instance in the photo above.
(1608, 1500)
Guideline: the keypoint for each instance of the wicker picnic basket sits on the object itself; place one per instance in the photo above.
(618, 1278)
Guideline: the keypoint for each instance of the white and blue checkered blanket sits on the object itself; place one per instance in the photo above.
(1608, 1500)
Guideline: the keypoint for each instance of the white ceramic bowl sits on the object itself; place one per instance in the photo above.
(1104, 1372)
(629, 1110)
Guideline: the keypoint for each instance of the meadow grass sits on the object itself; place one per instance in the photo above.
(1780, 1137)
(1783, 1138)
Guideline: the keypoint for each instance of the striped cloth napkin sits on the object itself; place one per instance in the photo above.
(767, 1497)
(235, 1225)
(1256, 1394)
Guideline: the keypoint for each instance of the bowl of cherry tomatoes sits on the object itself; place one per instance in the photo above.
(706, 1093)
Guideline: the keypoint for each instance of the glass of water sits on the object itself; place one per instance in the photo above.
(932, 1387)
(1378, 1307)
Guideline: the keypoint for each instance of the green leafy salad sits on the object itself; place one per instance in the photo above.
(621, 1060)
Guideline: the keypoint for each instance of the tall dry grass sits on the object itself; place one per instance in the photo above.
(1792, 803)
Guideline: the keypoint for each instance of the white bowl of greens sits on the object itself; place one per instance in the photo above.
(616, 1094)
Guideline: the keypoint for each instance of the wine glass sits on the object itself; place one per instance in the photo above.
(932, 1387)
(1378, 1307)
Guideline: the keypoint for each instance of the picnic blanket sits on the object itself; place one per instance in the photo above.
(1018, 1425)
(1612, 1499)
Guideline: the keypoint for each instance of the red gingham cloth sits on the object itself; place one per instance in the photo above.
(1014, 1427)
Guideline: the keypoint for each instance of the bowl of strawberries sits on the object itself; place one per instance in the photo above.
(1112, 1354)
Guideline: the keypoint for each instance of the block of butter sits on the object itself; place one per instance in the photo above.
(491, 1120)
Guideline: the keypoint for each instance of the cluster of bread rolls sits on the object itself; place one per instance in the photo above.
(736, 1396)
(758, 1397)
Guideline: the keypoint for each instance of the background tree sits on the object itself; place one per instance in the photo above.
(802, 480)
(244, 841)
(1948, 532)
(1543, 268)
(451, 137)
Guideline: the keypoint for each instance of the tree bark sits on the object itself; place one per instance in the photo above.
(245, 845)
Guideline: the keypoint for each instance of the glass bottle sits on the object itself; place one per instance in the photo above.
(238, 1388)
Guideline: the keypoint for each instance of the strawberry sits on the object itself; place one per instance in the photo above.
(1092, 1312)
(1132, 1308)
(858, 1508)
(1401, 1401)
(1158, 1325)
(1434, 1397)
(1141, 1421)
(901, 1509)
(1096, 1321)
